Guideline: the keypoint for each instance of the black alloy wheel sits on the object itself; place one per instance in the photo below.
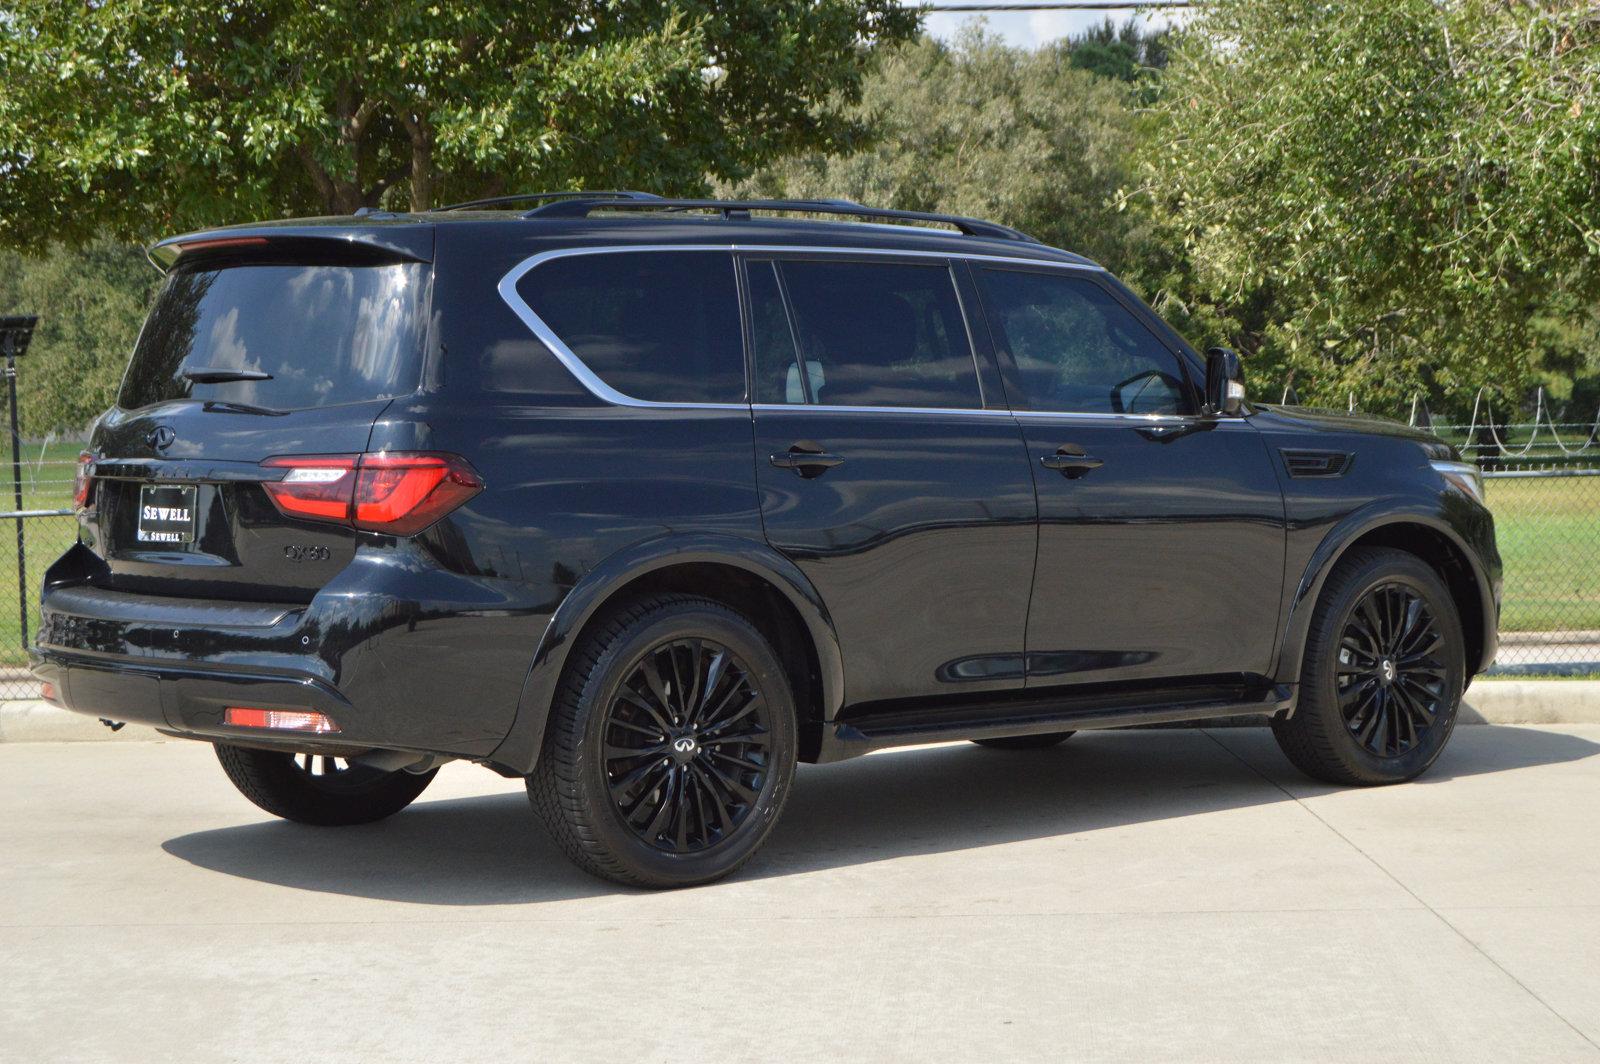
(1381, 674)
(1391, 674)
(671, 744)
(687, 745)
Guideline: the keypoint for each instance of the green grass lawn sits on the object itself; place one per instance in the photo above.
(1549, 534)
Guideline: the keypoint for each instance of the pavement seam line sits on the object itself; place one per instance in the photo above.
(1479, 950)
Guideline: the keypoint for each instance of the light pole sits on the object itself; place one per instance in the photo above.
(15, 333)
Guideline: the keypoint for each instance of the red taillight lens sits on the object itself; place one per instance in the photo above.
(82, 482)
(402, 494)
(301, 720)
(399, 493)
(317, 486)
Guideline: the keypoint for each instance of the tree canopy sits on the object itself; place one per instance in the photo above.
(1383, 196)
(138, 118)
(975, 127)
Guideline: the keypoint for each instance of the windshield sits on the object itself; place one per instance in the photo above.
(305, 335)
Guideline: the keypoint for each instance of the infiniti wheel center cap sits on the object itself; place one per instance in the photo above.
(1386, 671)
(684, 747)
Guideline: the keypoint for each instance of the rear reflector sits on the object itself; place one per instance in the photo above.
(300, 720)
(396, 492)
(82, 482)
(47, 691)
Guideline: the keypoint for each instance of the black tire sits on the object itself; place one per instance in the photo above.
(1027, 742)
(1384, 720)
(599, 787)
(327, 792)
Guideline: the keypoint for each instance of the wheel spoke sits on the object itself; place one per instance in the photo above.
(614, 752)
(752, 737)
(639, 701)
(734, 786)
(624, 785)
(714, 674)
(719, 804)
(650, 670)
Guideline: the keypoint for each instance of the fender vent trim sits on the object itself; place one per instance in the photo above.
(1316, 463)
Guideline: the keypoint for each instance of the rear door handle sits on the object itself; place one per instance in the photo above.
(808, 463)
(1071, 461)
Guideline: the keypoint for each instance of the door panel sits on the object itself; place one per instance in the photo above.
(1161, 533)
(1164, 561)
(921, 541)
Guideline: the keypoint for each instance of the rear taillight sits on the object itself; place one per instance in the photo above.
(82, 482)
(399, 493)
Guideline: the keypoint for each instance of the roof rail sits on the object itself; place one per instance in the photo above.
(522, 197)
(584, 206)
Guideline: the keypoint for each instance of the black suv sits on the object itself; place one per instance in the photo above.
(645, 500)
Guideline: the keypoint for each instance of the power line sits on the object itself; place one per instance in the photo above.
(1077, 5)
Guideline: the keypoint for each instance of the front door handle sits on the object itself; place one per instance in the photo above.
(807, 460)
(1071, 461)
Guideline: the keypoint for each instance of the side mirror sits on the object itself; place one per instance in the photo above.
(1224, 383)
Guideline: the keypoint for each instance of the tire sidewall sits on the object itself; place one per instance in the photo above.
(1322, 674)
(687, 621)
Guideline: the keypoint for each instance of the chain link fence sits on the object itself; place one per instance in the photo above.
(36, 526)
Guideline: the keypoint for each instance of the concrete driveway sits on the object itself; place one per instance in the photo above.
(1138, 896)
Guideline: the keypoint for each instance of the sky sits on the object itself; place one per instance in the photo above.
(1029, 29)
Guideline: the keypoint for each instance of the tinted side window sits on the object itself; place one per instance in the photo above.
(656, 325)
(1078, 350)
(869, 334)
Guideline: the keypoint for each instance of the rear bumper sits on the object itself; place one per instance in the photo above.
(391, 673)
(190, 701)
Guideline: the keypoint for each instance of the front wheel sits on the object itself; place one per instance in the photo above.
(313, 789)
(671, 745)
(1384, 668)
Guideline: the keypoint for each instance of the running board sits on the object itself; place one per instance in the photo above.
(841, 740)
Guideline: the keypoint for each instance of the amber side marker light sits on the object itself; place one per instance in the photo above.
(299, 720)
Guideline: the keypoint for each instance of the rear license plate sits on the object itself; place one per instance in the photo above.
(166, 513)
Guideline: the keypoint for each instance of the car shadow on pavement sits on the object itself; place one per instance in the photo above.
(489, 850)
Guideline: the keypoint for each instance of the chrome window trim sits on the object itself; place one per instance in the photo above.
(1136, 419)
(604, 392)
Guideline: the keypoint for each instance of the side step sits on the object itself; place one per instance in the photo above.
(843, 739)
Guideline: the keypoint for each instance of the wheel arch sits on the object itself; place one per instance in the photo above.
(748, 576)
(1417, 532)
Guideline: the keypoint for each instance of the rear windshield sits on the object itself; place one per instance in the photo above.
(323, 334)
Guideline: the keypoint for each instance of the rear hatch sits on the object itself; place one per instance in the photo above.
(257, 347)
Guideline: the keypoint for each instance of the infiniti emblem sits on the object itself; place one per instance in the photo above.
(1388, 671)
(161, 437)
(685, 746)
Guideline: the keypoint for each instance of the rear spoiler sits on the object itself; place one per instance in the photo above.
(354, 245)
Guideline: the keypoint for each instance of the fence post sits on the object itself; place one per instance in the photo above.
(15, 333)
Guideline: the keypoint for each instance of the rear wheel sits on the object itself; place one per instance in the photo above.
(1385, 665)
(1027, 742)
(313, 789)
(670, 747)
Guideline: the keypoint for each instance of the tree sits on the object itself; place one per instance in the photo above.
(137, 118)
(90, 303)
(1123, 52)
(978, 128)
(1382, 196)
